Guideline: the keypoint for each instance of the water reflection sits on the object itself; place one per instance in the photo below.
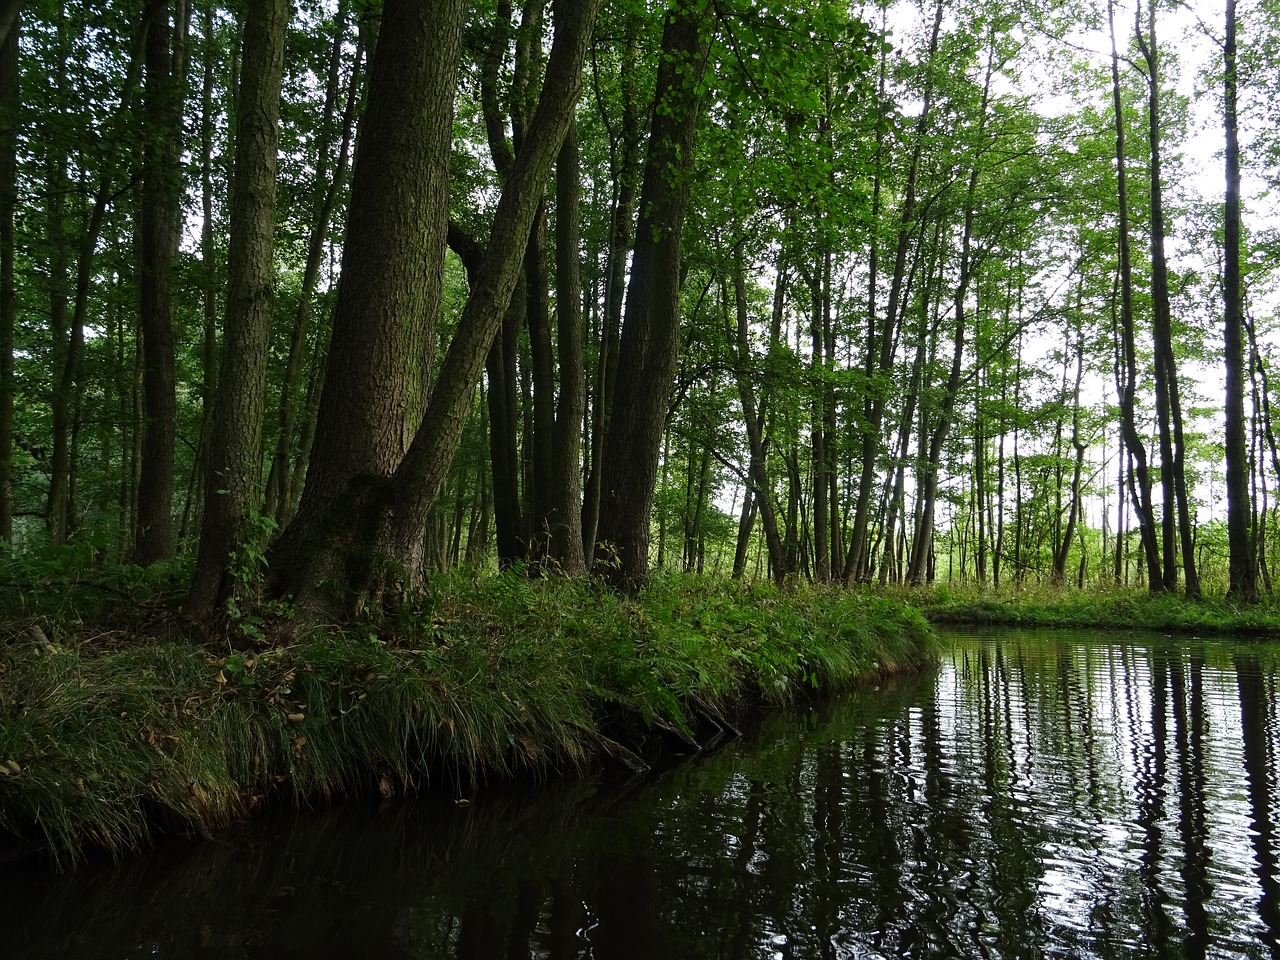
(1041, 796)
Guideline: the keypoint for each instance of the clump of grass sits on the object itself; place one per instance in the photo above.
(103, 738)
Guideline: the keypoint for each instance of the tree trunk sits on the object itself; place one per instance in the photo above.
(8, 202)
(418, 480)
(159, 228)
(232, 494)
(387, 303)
(624, 167)
(760, 490)
(1127, 375)
(1242, 562)
(1176, 517)
(1063, 547)
(328, 186)
(564, 502)
(651, 330)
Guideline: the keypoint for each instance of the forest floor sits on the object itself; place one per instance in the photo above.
(115, 724)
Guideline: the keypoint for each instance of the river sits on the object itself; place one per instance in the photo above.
(1038, 795)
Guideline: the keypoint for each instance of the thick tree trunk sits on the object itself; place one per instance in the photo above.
(388, 301)
(232, 494)
(420, 476)
(651, 330)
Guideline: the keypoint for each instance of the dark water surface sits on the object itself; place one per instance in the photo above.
(1037, 796)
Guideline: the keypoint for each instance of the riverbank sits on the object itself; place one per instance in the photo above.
(111, 731)
(1127, 608)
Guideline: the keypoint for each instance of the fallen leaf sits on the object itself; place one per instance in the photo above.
(297, 716)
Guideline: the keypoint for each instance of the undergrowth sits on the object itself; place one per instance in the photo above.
(1119, 608)
(112, 730)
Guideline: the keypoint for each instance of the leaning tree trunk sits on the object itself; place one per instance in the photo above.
(421, 475)
(387, 302)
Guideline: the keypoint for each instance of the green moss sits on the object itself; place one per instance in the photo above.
(104, 735)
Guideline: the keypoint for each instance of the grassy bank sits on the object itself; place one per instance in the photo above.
(1117, 609)
(108, 732)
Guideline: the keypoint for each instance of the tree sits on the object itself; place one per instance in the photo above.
(8, 205)
(364, 510)
(1242, 570)
(159, 226)
(650, 337)
(228, 531)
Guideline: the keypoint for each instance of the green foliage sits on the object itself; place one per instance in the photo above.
(1118, 608)
(106, 734)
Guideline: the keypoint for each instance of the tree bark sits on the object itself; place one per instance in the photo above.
(420, 476)
(1242, 560)
(159, 226)
(651, 330)
(564, 513)
(624, 167)
(387, 303)
(232, 495)
(1126, 374)
(8, 203)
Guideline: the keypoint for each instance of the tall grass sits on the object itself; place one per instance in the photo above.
(1119, 608)
(105, 737)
